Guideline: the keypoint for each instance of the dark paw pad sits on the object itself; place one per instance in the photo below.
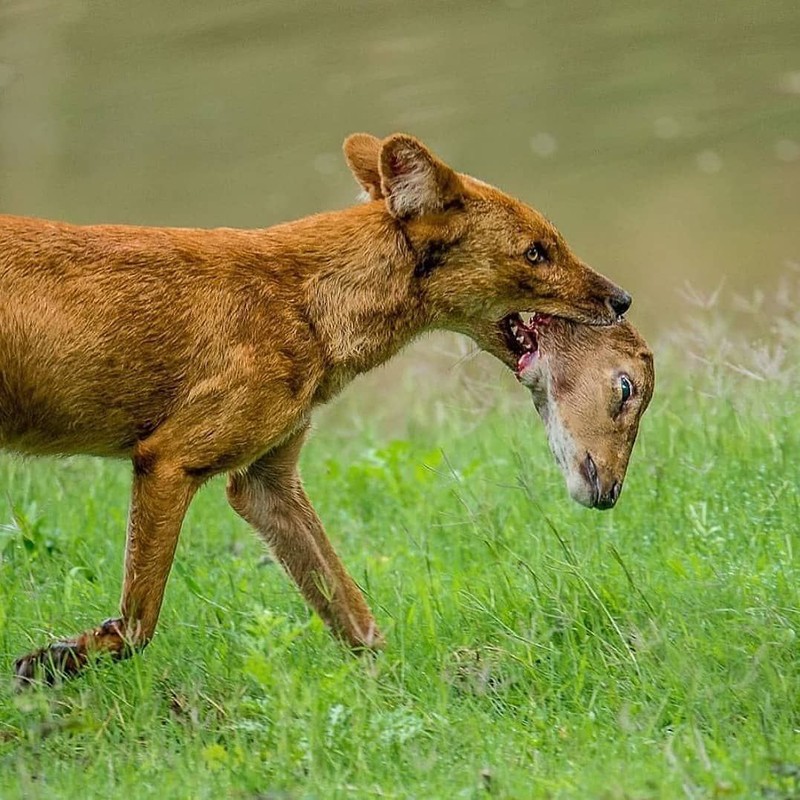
(50, 664)
(68, 657)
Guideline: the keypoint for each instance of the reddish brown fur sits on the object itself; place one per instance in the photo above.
(196, 352)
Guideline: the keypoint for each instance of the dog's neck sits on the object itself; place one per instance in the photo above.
(360, 295)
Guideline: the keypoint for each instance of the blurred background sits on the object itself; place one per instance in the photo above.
(663, 138)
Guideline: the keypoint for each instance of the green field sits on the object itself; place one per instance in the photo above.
(536, 649)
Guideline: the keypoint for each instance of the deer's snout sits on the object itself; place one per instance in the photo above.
(609, 499)
(600, 498)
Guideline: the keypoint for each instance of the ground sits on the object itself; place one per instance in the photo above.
(535, 649)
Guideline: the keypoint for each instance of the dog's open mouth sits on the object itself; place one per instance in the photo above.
(522, 338)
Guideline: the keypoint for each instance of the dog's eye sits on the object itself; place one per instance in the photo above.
(536, 254)
(625, 388)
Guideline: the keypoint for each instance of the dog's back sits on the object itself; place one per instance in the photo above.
(94, 322)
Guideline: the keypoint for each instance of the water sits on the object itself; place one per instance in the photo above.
(662, 137)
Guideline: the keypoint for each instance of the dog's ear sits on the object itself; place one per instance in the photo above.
(362, 153)
(415, 182)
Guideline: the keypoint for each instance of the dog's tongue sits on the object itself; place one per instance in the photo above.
(525, 360)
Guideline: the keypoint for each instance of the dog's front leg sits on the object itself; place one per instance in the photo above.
(270, 496)
(161, 494)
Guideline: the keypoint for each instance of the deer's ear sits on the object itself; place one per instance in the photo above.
(362, 153)
(413, 181)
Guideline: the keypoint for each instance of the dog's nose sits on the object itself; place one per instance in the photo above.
(620, 302)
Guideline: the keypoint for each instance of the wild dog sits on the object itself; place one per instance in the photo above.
(590, 386)
(199, 352)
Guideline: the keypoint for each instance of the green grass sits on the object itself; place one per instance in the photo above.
(535, 649)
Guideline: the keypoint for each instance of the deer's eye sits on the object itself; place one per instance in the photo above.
(625, 388)
(536, 254)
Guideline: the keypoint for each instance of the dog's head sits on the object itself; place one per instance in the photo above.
(481, 256)
(590, 386)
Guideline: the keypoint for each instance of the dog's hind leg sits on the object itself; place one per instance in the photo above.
(161, 494)
(270, 496)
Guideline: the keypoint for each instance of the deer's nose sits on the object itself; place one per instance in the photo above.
(601, 500)
(609, 499)
(620, 302)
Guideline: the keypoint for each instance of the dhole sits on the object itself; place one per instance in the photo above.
(198, 352)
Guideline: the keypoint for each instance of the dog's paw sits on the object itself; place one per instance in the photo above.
(368, 641)
(50, 664)
(66, 658)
